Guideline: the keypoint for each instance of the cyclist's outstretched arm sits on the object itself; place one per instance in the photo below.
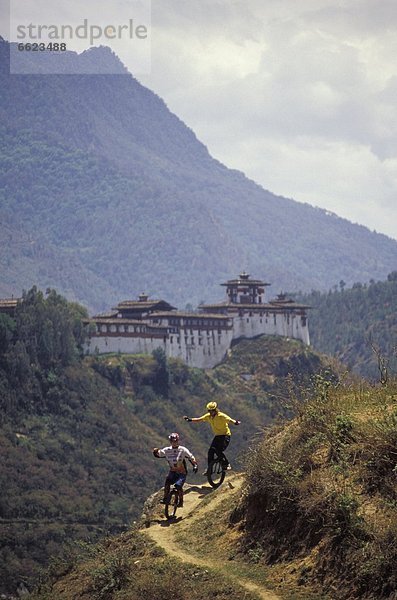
(231, 420)
(158, 452)
(193, 419)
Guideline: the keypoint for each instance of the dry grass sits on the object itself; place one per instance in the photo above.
(325, 487)
(131, 567)
(315, 520)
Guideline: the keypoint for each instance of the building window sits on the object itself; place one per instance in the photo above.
(171, 339)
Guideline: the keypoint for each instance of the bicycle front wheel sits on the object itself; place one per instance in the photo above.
(172, 504)
(216, 473)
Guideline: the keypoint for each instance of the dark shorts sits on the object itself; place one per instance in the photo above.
(220, 442)
(218, 445)
(177, 479)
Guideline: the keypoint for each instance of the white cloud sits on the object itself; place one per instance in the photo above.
(301, 96)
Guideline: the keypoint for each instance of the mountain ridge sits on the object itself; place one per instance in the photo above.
(122, 197)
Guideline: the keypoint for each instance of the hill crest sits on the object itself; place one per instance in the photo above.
(116, 195)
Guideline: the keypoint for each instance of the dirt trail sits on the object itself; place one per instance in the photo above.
(163, 532)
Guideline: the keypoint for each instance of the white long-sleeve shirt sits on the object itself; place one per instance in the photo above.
(176, 457)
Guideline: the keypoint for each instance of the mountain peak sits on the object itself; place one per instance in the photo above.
(109, 183)
(99, 60)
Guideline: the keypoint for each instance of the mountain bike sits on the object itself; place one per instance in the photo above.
(171, 503)
(216, 473)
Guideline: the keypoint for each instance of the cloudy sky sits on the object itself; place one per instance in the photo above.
(301, 95)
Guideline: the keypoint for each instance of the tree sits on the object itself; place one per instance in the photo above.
(7, 329)
(50, 328)
(162, 376)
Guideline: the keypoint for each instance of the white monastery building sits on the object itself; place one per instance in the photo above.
(200, 339)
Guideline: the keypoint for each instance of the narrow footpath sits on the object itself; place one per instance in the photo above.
(164, 532)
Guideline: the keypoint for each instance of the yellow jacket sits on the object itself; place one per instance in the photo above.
(219, 423)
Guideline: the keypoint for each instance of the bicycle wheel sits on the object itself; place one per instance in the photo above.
(216, 473)
(172, 504)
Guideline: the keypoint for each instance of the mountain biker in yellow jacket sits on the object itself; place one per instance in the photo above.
(219, 422)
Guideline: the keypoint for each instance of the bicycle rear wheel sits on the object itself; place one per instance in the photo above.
(172, 504)
(216, 473)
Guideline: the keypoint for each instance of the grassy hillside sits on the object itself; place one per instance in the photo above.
(133, 567)
(314, 518)
(76, 434)
(322, 494)
(106, 193)
(357, 325)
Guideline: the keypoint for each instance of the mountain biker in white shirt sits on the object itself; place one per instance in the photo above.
(176, 456)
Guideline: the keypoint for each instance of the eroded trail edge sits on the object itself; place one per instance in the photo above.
(164, 533)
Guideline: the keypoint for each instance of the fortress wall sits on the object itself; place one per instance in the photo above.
(199, 349)
(254, 325)
(203, 348)
(271, 323)
(125, 345)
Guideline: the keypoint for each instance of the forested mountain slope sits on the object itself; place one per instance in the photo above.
(105, 193)
(311, 516)
(357, 325)
(76, 433)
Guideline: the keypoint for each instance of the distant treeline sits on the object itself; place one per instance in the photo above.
(357, 325)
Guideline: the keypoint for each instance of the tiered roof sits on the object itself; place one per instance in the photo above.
(140, 306)
(283, 302)
(278, 303)
(8, 305)
(244, 279)
(188, 315)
